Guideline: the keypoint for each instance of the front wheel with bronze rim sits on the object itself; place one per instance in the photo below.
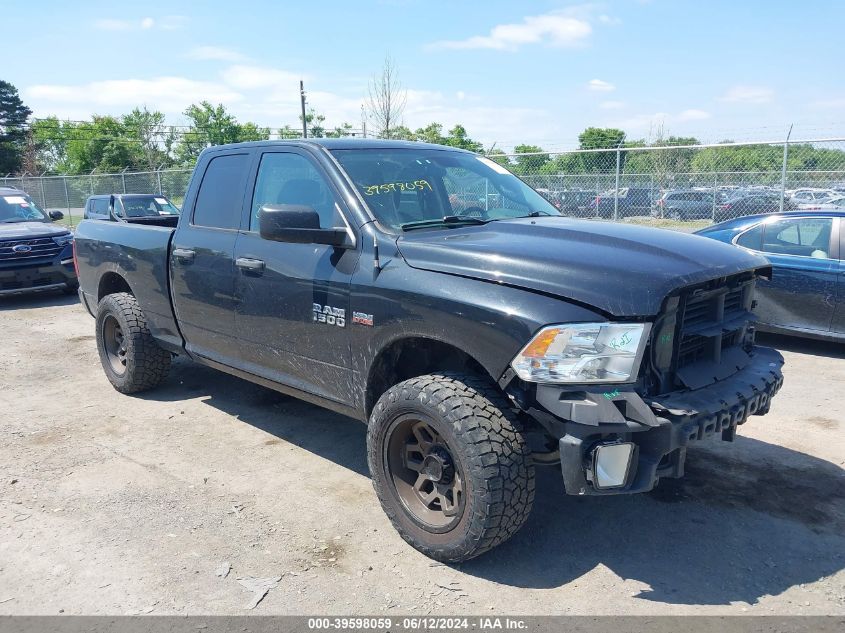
(450, 465)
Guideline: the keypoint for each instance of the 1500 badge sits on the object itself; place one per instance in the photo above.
(329, 315)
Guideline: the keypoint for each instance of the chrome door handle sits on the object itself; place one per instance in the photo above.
(251, 265)
(184, 254)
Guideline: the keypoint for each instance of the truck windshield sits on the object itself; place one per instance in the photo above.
(19, 207)
(411, 188)
(145, 206)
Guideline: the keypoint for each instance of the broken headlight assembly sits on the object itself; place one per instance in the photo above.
(583, 353)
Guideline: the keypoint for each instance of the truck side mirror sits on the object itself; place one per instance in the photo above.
(56, 215)
(298, 224)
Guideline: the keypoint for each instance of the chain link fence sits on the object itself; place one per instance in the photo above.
(703, 183)
(679, 185)
(69, 193)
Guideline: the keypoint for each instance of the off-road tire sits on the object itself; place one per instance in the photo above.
(146, 364)
(489, 448)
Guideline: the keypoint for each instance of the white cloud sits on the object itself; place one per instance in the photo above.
(748, 94)
(173, 22)
(829, 103)
(693, 115)
(553, 29)
(597, 85)
(250, 77)
(169, 94)
(167, 23)
(109, 24)
(612, 105)
(216, 53)
(606, 19)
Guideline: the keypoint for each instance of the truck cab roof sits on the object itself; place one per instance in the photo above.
(340, 143)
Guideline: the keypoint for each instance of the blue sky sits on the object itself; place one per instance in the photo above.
(510, 72)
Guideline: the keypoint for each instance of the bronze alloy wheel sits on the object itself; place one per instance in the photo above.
(450, 464)
(424, 473)
(114, 343)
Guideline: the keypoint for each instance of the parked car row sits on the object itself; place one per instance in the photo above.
(36, 255)
(693, 203)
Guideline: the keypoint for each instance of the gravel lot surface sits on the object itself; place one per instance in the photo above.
(112, 504)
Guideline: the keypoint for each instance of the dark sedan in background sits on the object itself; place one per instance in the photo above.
(806, 294)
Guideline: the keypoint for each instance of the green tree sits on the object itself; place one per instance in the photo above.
(458, 137)
(314, 123)
(663, 164)
(102, 144)
(431, 133)
(214, 126)
(49, 144)
(529, 164)
(154, 138)
(601, 138)
(13, 134)
(498, 156)
(403, 133)
(340, 131)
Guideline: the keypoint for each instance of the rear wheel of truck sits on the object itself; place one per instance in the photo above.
(450, 465)
(131, 358)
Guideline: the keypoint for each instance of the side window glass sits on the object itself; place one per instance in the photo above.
(221, 192)
(804, 237)
(752, 238)
(286, 178)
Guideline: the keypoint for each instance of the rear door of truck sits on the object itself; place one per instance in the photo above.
(202, 271)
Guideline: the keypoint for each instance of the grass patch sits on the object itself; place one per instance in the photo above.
(686, 226)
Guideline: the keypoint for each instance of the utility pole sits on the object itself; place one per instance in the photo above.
(783, 168)
(363, 121)
(302, 100)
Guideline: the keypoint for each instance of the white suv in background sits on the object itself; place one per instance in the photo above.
(808, 195)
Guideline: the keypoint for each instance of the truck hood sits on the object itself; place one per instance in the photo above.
(620, 269)
(29, 230)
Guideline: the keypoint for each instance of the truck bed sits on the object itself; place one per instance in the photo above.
(139, 254)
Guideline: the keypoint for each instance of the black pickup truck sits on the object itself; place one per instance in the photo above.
(476, 340)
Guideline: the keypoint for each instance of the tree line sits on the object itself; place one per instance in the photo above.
(141, 140)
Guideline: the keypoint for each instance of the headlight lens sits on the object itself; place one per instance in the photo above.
(583, 353)
(64, 240)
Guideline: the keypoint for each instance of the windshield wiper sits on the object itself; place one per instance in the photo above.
(10, 220)
(446, 219)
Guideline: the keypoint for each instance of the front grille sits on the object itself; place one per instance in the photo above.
(712, 320)
(700, 334)
(35, 282)
(31, 249)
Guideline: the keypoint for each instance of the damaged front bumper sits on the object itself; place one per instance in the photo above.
(657, 430)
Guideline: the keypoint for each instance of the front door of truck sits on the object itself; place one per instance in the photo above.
(292, 313)
(202, 270)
